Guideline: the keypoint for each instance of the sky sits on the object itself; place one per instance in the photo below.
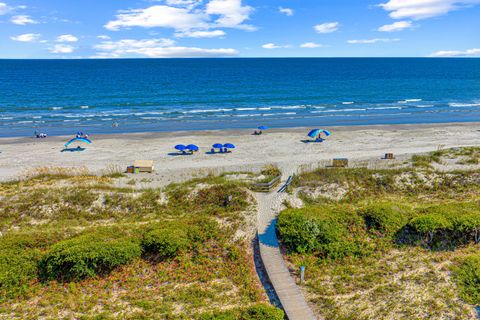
(49, 29)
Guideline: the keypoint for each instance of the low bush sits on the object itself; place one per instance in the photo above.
(467, 276)
(86, 256)
(17, 269)
(298, 233)
(323, 231)
(467, 226)
(166, 242)
(453, 224)
(262, 312)
(385, 218)
(429, 225)
(256, 312)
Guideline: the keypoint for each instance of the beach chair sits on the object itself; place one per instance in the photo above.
(143, 165)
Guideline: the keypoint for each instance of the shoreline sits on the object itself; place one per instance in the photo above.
(243, 131)
(282, 147)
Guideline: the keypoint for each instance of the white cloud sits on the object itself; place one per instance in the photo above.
(62, 49)
(274, 46)
(310, 45)
(327, 27)
(4, 9)
(396, 26)
(183, 3)
(372, 41)
(158, 16)
(22, 20)
(187, 18)
(27, 37)
(286, 11)
(103, 37)
(66, 38)
(232, 13)
(156, 48)
(455, 53)
(423, 9)
(201, 34)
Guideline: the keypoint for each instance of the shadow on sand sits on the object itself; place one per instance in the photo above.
(269, 237)
(176, 154)
(313, 141)
(77, 149)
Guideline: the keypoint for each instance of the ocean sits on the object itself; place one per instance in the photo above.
(142, 95)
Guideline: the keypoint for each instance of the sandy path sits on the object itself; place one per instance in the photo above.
(283, 147)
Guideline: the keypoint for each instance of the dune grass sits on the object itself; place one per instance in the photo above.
(76, 246)
(397, 244)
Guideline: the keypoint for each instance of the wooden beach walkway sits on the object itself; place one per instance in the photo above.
(288, 292)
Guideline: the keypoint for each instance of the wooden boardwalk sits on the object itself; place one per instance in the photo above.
(287, 291)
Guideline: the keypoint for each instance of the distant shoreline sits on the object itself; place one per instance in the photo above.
(239, 130)
(242, 131)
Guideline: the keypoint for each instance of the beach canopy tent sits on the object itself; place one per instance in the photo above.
(85, 140)
(316, 133)
(192, 148)
(263, 128)
(217, 146)
(229, 146)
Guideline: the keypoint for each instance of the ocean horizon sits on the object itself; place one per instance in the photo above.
(140, 95)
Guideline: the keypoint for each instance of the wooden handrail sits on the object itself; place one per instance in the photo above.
(267, 186)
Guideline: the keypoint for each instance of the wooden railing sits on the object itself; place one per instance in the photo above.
(267, 186)
(287, 184)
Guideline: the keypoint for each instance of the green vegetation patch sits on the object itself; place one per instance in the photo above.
(467, 276)
(170, 253)
(255, 312)
(87, 256)
(380, 244)
(326, 231)
(165, 242)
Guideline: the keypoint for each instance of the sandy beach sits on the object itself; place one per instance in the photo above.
(283, 147)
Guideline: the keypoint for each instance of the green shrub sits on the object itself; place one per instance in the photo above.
(224, 315)
(166, 242)
(430, 224)
(262, 312)
(256, 312)
(17, 268)
(385, 218)
(321, 234)
(298, 233)
(87, 256)
(467, 276)
(467, 226)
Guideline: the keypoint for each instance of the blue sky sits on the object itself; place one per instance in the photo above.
(238, 28)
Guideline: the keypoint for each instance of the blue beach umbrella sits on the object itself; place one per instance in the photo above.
(263, 128)
(86, 140)
(180, 147)
(313, 133)
(327, 133)
(229, 146)
(217, 146)
(192, 147)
